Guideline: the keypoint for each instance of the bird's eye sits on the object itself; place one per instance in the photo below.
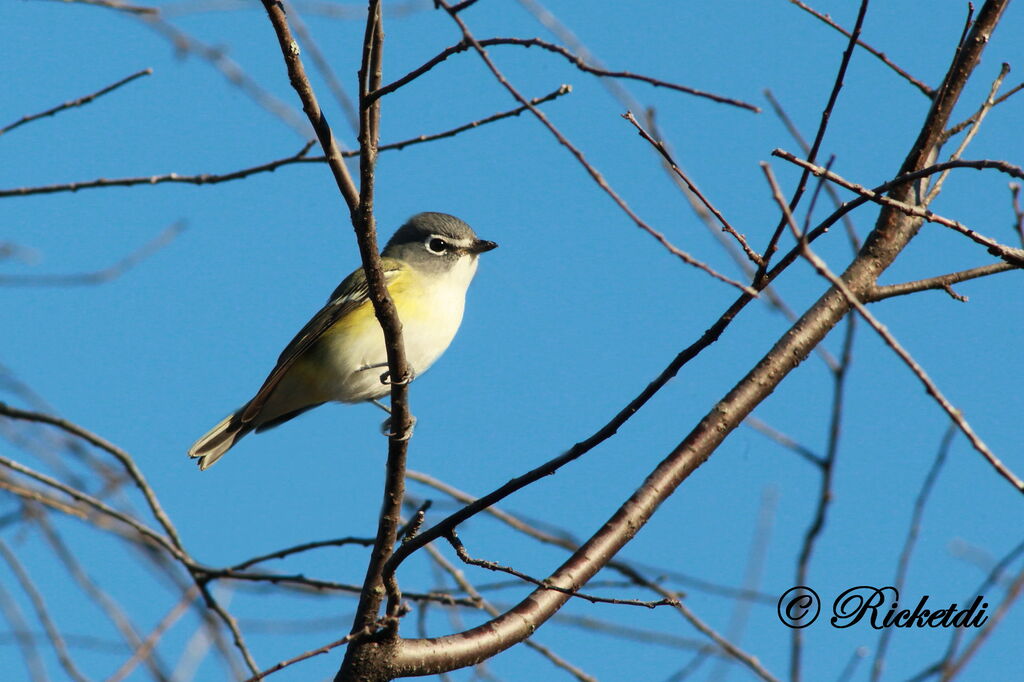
(437, 245)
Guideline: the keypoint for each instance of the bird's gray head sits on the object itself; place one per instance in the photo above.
(437, 242)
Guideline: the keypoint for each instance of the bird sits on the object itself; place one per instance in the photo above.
(338, 355)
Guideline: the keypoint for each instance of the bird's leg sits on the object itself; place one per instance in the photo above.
(377, 366)
(381, 405)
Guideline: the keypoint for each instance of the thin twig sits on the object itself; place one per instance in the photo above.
(115, 5)
(232, 625)
(819, 136)
(833, 194)
(201, 179)
(1007, 253)
(971, 119)
(909, 543)
(205, 574)
(693, 188)
(463, 554)
(235, 74)
(33, 494)
(26, 641)
(311, 653)
(297, 76)
(593, 172)
(956, 666)
(107, 604)
(104, 275)
(994, 577)
(270, 166)
(918, 371)
(324, 67)
(468, 588)
(96, 504)
(52, 633)
(468, 42)
(731, 649)
(976, 121)
(148, 644)
(757, 554)
(75, 103)
(785, 441)
(924, 88)
(120, 455)
(304, 547)
(770, 295)
(570, 40)
(1018, 211)
(631, 570)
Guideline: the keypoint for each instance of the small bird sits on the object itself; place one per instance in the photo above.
(339, 355)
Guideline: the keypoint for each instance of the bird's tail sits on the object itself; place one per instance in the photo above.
(219, 440)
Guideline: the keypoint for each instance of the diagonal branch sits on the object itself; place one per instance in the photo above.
(923, 87)
(123, 457)
(468, 38)
(954, 414)
(892, 233)
(1009, 254)
(299, 81)
(59, 645)
(660, 147)
(75, 103)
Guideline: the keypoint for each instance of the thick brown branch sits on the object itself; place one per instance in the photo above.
(891, 235)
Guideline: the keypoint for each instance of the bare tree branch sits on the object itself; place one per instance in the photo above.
(271, 166)
(468, 39)
(902, 566)
(469, 42)
(918, 371)
(1007, 253)
(120, 455)
(107, 274)
(75, 103)
(693, 188)
(52, 633)
(879, 293)
(924, 88)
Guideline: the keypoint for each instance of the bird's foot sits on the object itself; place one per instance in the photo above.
(385, 429)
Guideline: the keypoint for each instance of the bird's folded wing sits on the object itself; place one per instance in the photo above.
(350, 294)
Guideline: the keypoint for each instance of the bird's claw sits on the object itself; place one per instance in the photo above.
(385, 429)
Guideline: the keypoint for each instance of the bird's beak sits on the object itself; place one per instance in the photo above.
(481, 245)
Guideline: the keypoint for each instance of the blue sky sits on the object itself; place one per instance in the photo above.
(567, 321)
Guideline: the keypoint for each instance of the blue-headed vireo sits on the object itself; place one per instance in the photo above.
(339, 355)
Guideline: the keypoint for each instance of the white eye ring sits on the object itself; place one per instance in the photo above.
(436, 245)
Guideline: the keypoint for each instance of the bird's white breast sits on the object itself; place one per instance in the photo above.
(430, 307)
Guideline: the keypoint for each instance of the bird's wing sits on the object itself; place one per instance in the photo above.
(350, 294)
